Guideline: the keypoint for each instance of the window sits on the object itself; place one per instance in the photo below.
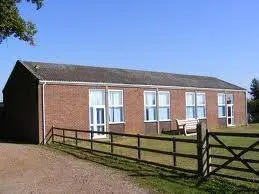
(164, 106)
(201, 104)
(150, 105)
(190, 105)
(195, 105)
(221, 105)
(230, 99)
(115, 106)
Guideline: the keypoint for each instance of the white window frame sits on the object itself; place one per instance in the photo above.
(232, 117)
(221, 105)
(195, 105)
(203, 105)
(116, 106)
(148, 106)
(164, 106)
(94, 124)
(186, 105)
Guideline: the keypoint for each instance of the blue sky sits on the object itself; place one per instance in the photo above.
(215, 38)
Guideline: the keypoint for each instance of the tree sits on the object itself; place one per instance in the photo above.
(253, 103)
(12, 24)
(254, 89)
(253, 110)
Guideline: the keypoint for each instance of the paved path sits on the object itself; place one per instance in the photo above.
(34, 169)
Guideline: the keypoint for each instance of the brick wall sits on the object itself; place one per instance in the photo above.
(150, 128)
(67, 106)
(177, 106)
(165, 126)
(118, 128)
(134, 110)
(212, 109)
(239, 108)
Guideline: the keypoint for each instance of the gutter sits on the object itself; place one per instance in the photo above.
(132, 85)
(43, 113)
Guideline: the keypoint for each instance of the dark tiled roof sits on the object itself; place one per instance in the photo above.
(76, 73)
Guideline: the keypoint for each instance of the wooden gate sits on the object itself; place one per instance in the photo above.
(242, 161)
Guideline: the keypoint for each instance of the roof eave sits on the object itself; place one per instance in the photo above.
(134, 85)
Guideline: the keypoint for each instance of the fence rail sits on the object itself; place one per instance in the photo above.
(205, 158)
(238, 154)
(139, 149)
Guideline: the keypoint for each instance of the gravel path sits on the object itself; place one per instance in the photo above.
(34, 169)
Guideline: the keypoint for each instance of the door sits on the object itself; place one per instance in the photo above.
(230, 115)
(230, 111)
(97, 113)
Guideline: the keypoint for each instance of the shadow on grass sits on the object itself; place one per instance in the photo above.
(157, 178)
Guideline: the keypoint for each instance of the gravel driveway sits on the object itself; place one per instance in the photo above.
(34, 169)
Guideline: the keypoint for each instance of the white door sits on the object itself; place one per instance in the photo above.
(97, 112)
(230, 115)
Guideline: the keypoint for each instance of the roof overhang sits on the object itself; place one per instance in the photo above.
(56, 82)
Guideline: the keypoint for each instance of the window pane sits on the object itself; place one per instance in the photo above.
(100, 115)
(150, 114)
(229, 111)
(221, 111)
(190, 112)
(164, 113)
(201, 112)
(200, 99)
(190, 99)
(115, 114)
(229, 121)
(91, 115)
(100, 128)
(230, 99)
(97, 97)
(115, 98)
(111, 115)
(150, 98)
(163, 99)
(221, 99)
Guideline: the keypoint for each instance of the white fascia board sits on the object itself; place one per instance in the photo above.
(130, 85)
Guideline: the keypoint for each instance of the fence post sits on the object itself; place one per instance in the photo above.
(92, 135)
(174, 151)
(111, 142)
(76, 138)
(208, 153)
(52, 134)
(202, 149)
(139, 155)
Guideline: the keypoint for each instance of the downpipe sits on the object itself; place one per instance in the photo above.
(43, 113)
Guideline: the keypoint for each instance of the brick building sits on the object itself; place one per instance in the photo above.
(38, 96)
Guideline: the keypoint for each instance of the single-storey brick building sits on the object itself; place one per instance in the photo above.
(38, 96)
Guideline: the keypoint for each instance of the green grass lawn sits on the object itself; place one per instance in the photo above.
(166, 181)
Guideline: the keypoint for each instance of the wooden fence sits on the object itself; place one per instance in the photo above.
(237, 154)
(139, 149)
(203, 143)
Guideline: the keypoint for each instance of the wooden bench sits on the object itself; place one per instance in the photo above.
(188, 126)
